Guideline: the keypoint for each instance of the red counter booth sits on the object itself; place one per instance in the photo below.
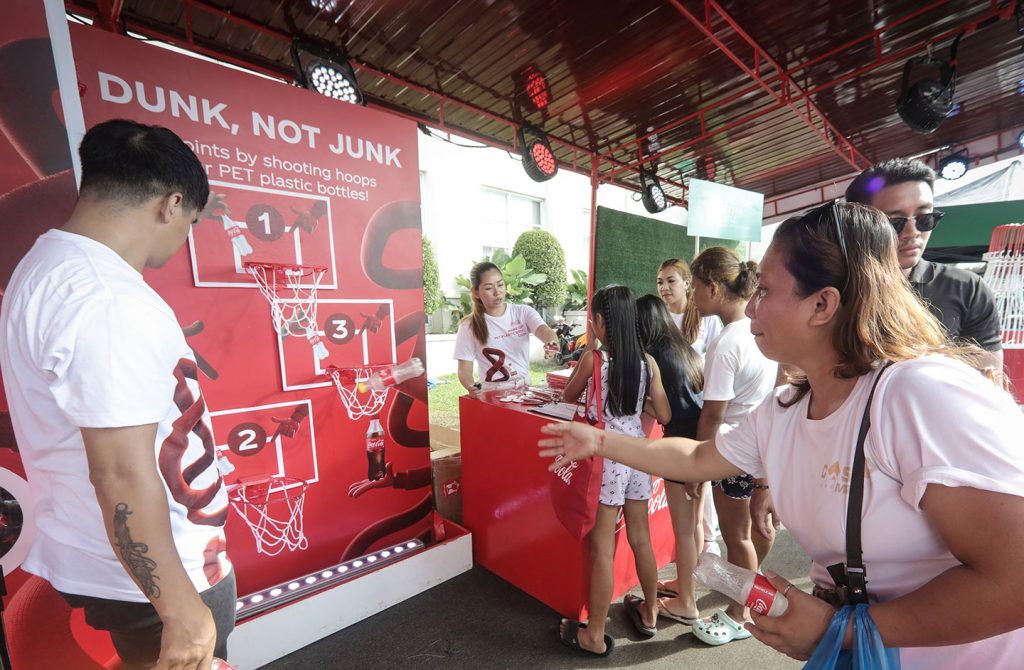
(507, 507)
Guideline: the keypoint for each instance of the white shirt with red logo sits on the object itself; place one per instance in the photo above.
(933, 421)
(90, 345)
(506, 356)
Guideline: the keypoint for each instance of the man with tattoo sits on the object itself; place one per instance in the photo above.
(107, 411)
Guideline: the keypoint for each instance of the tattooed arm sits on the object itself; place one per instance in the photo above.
(122, 469)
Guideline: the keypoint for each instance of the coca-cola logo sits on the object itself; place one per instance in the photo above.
(566, 471)
(375, 443)
(762, 595)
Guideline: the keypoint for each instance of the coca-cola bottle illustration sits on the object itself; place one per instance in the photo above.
(376, 466)
(395, 374)
(750, 588)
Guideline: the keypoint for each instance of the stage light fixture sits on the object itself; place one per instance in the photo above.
(538, 158)
(954, 166)
(326, 72)
(652, 194)
(926, 103)
(536, 85)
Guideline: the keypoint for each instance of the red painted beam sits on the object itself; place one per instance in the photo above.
(108, 15)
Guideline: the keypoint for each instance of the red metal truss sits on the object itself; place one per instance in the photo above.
(876, 37)
(189, 43)
(780, 86)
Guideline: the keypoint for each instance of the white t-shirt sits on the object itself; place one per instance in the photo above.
(90, 344)
(737, 371)
(710, 328)
(933, 420)
(507, 353)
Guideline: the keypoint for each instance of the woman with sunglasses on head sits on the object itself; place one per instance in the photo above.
(942, 514)
(737, 377)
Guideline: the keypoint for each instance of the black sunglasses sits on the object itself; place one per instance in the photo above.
(923, 222)
(831, 210)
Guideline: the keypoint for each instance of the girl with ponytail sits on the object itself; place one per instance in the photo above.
(628, 377)
(497, 335)
(737, 377)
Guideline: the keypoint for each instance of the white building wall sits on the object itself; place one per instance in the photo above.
(453, 183)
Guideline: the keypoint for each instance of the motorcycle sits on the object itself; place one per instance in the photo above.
(570, 345)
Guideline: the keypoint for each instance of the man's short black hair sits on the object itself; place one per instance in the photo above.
(131, 162)
(888, 173)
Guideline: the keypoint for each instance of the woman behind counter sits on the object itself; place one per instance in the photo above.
(497, 335)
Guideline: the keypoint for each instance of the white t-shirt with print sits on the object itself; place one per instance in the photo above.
(735, 370)
(710, 328)
(506, 355)
(91, 345)
(933, 421)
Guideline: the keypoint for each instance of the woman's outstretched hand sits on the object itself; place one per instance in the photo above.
(574, 441)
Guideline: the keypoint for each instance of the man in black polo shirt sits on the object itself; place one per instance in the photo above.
(902, 189)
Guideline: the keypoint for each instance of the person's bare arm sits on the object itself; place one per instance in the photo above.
(547, 335)
(674, 458)
(466, 377)
(712, 415)
(131, 495)
(658, 397)
(580, 376)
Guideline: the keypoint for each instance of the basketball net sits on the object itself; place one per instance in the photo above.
(358, 398)
(1004, 274)
(259, 502)
(292, 303)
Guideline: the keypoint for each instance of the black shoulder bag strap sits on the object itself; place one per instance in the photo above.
(853, 574)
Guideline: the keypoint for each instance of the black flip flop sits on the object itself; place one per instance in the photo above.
(632, 604)
(570, 638)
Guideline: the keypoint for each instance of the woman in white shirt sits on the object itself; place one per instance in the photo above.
(497, 335)
(675, 286)
(943, 508)
(737, 377)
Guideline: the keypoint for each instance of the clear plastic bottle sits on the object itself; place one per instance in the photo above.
(750, 588)
(395, 374)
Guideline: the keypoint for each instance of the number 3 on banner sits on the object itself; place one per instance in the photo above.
(339, 328)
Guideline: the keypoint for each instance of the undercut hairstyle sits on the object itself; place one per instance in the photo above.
(130, 163)
(617, 307)
(690, 327)
(881, 318)
(888, 173)
(723, 267)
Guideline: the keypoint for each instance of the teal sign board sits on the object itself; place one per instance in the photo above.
(717, 210)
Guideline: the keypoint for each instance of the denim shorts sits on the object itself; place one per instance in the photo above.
(135, 628)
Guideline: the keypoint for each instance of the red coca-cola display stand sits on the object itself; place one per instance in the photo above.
(506, 505)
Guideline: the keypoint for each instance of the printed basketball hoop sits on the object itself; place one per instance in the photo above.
(1004, 274)
(358, 398)
(272, 508)
(291, 292)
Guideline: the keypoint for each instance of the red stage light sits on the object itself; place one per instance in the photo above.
(538, 158)
(537, 89)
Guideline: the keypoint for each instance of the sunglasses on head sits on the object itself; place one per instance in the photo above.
(829, 212)
(923, 222)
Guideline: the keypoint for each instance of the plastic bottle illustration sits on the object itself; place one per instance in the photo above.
(750, 588)
(376, 463)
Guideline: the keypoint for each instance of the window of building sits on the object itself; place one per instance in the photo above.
(505, 216)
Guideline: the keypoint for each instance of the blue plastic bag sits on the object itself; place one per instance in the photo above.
(868, 652)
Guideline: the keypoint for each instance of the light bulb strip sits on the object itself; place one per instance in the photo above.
(300, 587)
